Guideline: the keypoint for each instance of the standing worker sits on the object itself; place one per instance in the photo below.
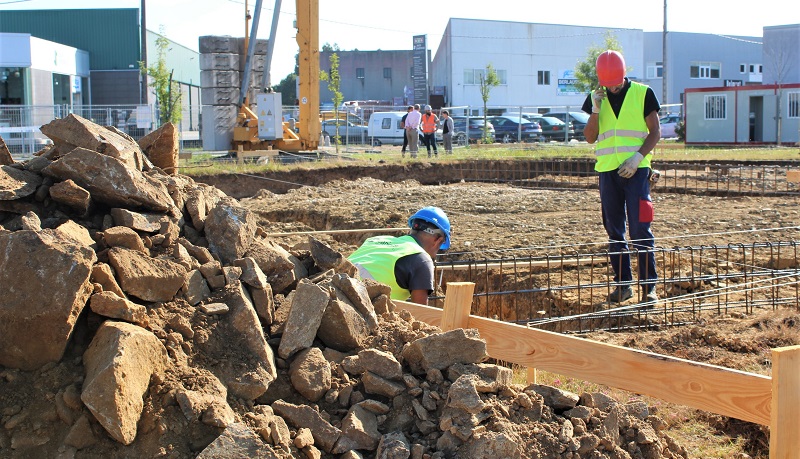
(411, 127)
(624, 122)
(447, 132)
(403, 127)
(429, 123)
(405, 263)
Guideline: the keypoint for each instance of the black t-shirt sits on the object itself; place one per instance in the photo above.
(415, 272)
(650, 100)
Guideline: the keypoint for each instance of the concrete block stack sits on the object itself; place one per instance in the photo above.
(222, 63)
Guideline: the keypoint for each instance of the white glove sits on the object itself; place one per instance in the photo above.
(597, 99)
(628, 168)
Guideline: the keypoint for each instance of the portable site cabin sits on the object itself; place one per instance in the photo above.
(743, 114)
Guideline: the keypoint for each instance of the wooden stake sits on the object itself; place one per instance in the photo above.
(784, 436)
(457, 305)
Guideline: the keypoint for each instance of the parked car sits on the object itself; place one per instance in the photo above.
(475, 130)
(348, 132)
(668, 123)
(555, 129)
(511, 128)
(578, 119)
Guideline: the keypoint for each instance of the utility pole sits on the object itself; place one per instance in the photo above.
(143, 75)
(663, 59)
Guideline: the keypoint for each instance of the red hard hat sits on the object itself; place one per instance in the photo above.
(610, 68)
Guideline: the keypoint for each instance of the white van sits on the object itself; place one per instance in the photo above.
(384, 128)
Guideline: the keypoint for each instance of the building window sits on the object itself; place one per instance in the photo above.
(473, 76)
(715, 107)
(794, 105)
(742, 68)
(655, 70)
(543, 77)
(387, 72)
(760, 69)
(360, 73)
(704, 70)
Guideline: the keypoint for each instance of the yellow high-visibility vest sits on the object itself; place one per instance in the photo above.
(620, 138)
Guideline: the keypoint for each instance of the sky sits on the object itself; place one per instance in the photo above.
(369, 25)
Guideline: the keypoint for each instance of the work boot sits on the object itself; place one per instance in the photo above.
(620, 294)
(649, 296)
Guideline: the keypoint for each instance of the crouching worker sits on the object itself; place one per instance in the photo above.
(405, 263)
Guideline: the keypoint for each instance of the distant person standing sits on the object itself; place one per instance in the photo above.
(447, 132)
(403, 127)
(624, 122)
(413, 119)
(429, 123)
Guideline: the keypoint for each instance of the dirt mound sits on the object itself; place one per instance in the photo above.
(146, 315)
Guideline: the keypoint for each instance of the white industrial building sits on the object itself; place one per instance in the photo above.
(535, 62)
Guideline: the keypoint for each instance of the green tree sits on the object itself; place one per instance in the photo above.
(327, 47)
(585, 72)
(488, 80)
(288, 89)
(168, 92)
(334, 84)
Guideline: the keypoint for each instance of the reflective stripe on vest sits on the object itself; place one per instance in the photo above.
(428, 124)
(378, 255)
(620, 138)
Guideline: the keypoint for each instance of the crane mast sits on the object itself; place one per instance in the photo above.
(264, 129)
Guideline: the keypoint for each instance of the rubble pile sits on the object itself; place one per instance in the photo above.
(143, 314)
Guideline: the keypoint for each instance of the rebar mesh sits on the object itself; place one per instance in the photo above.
(569, 292)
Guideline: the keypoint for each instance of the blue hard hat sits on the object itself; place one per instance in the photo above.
(437, 217)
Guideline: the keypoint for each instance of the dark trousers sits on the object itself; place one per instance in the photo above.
(428, 140)
(621, 197)
(405, 142)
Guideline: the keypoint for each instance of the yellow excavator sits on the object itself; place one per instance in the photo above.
(263, 131)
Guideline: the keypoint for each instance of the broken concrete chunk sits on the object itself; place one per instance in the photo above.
(251, 272)
(238, 441)
(195, 287)
(310, 374)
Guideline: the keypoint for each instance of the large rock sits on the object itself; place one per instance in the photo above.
(325, 434)
(111, 181)
(230, 229)
(441, 350)
(70, 194)
(238, 441)
(82, 133)
(310, 374)
(342, 327)
(119, 363)
(44, 286)
(245, 362)
(149, 279)
(17, 183)
(307, 309)
(161, 147)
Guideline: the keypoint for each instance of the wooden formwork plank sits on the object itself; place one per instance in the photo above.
(784, 436)
(733, 393)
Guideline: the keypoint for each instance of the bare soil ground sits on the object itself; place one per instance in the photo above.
(498, 221)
